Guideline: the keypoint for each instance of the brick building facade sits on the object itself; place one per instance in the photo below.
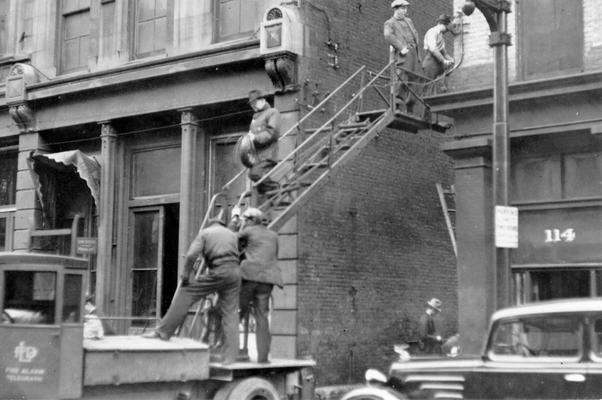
(156, 93)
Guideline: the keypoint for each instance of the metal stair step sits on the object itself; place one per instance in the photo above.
(311, 165)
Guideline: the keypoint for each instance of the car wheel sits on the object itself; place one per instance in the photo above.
(248, 389)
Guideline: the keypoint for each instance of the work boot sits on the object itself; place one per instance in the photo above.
(155, 335)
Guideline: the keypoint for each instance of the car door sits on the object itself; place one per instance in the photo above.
(594, 370)
(534, 357)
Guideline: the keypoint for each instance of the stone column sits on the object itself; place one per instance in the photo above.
(106, 220)
(28, 211)
(192, 182)
(474, 235)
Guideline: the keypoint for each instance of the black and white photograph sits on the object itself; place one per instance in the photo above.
(300, 199)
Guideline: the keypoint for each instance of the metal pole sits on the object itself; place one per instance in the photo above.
(501, 150)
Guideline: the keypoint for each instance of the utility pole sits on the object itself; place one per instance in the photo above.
(495, 12)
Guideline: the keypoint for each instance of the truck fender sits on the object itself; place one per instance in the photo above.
(372, 393)
(248, 389)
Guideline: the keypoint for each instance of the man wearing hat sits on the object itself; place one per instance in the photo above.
(260, 272)
(264, 132)
(436, 60)
(219, 247)
(430, 340)
(402, 37)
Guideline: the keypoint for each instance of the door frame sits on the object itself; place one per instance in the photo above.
(130, 259)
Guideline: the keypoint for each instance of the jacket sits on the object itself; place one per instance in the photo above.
(260, 247)
(266, 128)
(401, 33)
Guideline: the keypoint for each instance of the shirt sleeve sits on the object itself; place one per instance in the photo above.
(430, 40)
(195, 249)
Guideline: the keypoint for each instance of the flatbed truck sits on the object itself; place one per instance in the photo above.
(46, 356)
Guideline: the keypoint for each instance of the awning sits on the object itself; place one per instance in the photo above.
(74, 160)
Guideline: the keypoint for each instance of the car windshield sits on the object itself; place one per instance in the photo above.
(544, 337)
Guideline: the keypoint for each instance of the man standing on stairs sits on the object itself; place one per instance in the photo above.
(219, 247)
(264, 132)
(260, 272)
(402, 37)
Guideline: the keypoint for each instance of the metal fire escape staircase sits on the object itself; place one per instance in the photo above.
(323, 151)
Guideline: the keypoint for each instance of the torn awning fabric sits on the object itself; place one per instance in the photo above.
(85, 166)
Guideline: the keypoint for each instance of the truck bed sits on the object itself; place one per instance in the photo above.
(133, 359)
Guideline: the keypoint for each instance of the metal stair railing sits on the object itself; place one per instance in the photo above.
(298, 163)
(296, 127)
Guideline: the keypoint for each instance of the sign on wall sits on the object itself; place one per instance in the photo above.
(558, 236)
(506, 227)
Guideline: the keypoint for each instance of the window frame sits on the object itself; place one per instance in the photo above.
(522, 38)
(169, 16)
(61, 37)
(217, 38)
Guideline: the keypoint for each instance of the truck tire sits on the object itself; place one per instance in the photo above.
(248, 389)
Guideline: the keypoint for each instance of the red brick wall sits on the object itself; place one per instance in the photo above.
(373, 245)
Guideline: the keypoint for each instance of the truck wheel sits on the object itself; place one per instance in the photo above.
(248, 389)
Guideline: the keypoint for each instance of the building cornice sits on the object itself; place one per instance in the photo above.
(237, 53)
(518, 91)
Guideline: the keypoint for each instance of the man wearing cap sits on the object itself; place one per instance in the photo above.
(430, 340)
(401, 35)
(260, 272)
(219, 247)
(437, 59)
(264, 132)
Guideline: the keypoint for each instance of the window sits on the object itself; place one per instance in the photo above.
(3, 27)
(151, 27)
(550, 37)
(30, 297)
(26, 31)
(75, 35)
(542, 337)
(237, 18)
(8, 191)
(8, 177)
(557, 177)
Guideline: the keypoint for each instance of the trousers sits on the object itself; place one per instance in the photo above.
(225, 280)
(257, 171)
(258, 294)
(431, 66)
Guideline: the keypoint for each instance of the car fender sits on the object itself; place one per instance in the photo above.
(375, 393)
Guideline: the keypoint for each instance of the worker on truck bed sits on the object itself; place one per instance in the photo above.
(219, 247)
(260, 272)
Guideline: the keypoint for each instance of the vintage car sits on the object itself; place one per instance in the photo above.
(544, 350)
